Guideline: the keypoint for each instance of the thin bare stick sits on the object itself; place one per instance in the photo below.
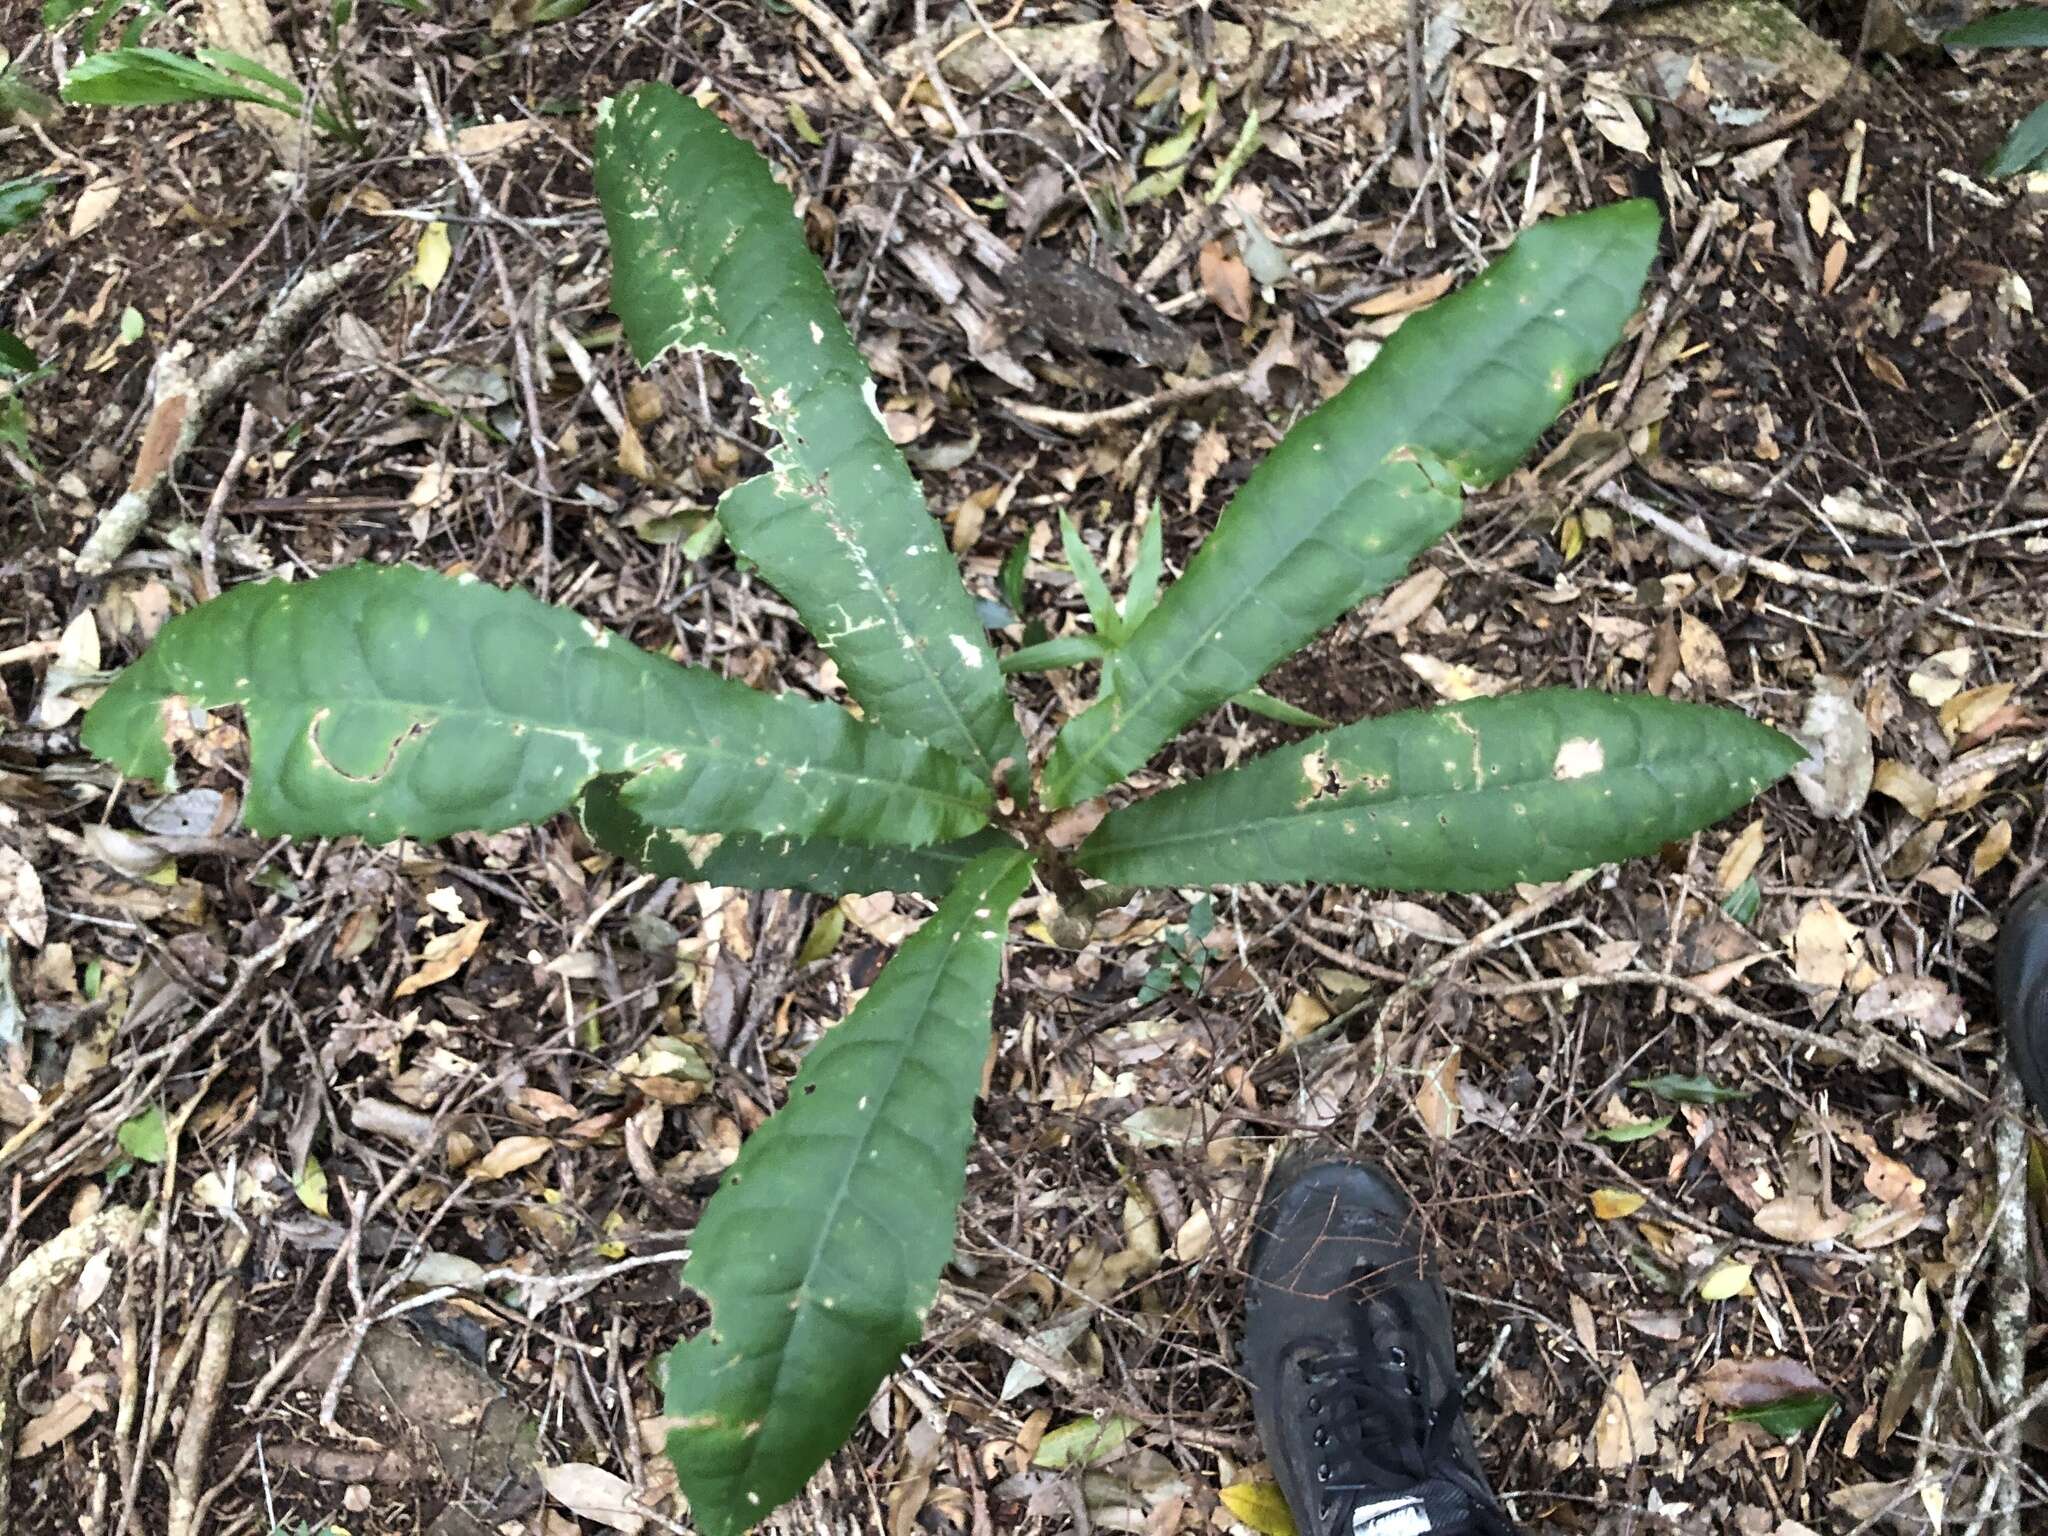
(183, 408)
(1729, 560)
(1080, 423)
(209, 529)
(1660, 307)
(828, 27)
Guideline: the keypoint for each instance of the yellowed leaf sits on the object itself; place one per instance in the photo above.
(1304, 1015)
(430, 256)
(1726, 1280)
(1996, 844)
(509, 1156)
(1396, 301)
(1614, 1204)
(444, 955)
(1454, 681)
(1969, 711)
(1740, 861)
(1262, 1506)
(1907, 785)
(1436, 1104)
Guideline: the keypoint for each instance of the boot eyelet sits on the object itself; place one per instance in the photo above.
(1322, 1472)
(1315, 1405)
(1414, 1387)
(1322, 1437)
(1397, 1357)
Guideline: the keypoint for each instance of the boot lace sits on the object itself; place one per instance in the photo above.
(1375, 1434)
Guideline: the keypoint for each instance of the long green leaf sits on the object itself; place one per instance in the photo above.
(389, 701)
(705, 254)
(147, 77)
(1366, 482)
(20, 198)
(2024, 26)
(821, 1251)
(1467, 797)
(2025, 148)
(828, 867)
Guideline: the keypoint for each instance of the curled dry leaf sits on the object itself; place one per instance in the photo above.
(1455, 680)
(1799, 1219)
(1702, 656)
(1909, 786)
(1826, 946)
(1740, 861)
(1406, 603)
(509, 1156)
(1941, 676)
(444, 955)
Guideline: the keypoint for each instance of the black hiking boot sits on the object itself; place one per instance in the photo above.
(2023, 991)
(1347, 1345)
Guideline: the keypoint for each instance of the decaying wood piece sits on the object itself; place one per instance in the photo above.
(183, 405)
(244, 27)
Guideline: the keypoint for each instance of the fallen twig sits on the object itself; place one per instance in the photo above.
(184, 405)
(1079, 423)
(1729, 560)
(188, 1462)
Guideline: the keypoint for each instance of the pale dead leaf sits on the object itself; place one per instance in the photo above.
(1907, 785)
(1625, 1431)
(1941, 676)
(22, 909)
(1436, 1104)
(594, 1494)
(1614, 1204)
(93, 205)
(1211, 453)
(1799, 1219)
(1740, 861)
(1701, 654)
(1825, 946)
(1725, 1281)
(509, 1156)
(1835, 780)
(1996, 844)
(1971, 710)
(77, 658)
(1616, 121)
(444, 955)
(1919, 1002)
(64, 1416)
(1848, 512)
(1406, 603)
(482, 140)
(1455, 681)
(1406, 297)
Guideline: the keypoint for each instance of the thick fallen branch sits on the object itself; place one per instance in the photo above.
(183, 406)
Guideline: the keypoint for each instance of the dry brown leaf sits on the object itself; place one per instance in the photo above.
(244, 27)
(1625, 1431)
(1733, 1383)
(1971, 710)
(444, 955)
(1614, 1204)
(1885, 370)
(1920, 1002)
(1909, 786)
(64, 1416)
(1227, 281)
(1436, 1104)
(1799, 1219)
(1398, 301)
(1701, 655)
(1940, 677)
(22, 909)
(509, 1156)
(1211, 453)
(1406, 603)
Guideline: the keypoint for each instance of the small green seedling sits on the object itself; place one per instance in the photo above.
(1186, 958)
(2026, 26)
(393, 702)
